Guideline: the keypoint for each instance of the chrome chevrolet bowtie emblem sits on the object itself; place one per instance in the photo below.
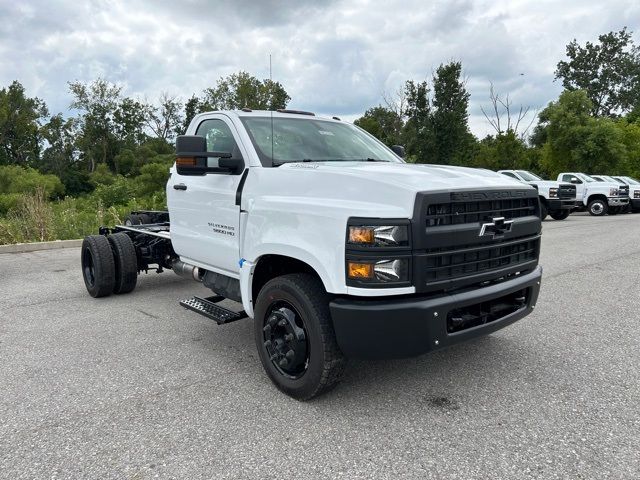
(496, 228)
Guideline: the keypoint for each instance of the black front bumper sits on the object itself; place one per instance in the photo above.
(405, 327)
(635, 203)
(560, 204)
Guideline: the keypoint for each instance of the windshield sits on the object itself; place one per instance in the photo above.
(586, 178)
(632, 181)
(528, 176)
(312, 140)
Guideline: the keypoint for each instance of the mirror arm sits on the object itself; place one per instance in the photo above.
(204, 154)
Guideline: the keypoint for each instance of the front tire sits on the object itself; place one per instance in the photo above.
(598, 207)
(543, 211)
(560, 214)
(98, 267)
(295, 337)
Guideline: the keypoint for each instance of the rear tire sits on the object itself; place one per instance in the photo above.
(98, 266)
(560, 214)
(126, 262)
(598, 207)
(145, 218)
(295, 337)
(132, 219)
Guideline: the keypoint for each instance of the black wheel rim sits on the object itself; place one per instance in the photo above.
(88, 267)
(285, 340)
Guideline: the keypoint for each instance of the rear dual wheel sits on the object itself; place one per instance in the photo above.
(109, 264)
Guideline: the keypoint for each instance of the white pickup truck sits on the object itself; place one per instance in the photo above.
(556, 199)
(634, 191)
(334, 245)
(598, 198)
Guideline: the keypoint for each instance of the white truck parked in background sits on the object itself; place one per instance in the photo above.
(598, 198)
(332, 244)
(556, 199)
(634, 191)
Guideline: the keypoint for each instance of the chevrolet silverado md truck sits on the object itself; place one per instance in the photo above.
(556, 199)
(598, 198)
(334, 246)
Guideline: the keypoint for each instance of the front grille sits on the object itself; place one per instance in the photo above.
(567, 191)
(471, 260)
(486, 312)
(452, 251)
(456, 213)
(623, 191)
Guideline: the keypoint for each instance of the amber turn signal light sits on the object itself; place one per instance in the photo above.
(186, 161)
(360, 270)
(361, 235)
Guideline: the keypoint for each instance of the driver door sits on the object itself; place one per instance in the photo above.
(205, 219)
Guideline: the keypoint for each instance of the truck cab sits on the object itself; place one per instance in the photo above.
(634, 191)
(332, 244)
(556, 199)
(598, 198)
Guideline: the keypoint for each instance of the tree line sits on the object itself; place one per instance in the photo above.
(593, 126)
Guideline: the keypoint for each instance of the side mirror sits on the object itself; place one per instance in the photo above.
(575, 180)
(398, 150)
(192, 158)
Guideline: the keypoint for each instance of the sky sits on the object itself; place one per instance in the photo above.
(333, 57)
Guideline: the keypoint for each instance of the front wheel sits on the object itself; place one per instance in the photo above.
(560, 214)
(543, 211)
(295, 337)
(598, 207)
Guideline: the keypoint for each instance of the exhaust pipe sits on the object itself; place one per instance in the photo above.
(187, 271)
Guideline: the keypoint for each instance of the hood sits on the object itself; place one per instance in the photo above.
(414, 177)
(547, 183)
(605, 184)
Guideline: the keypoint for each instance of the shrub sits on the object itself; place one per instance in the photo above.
(15, 179)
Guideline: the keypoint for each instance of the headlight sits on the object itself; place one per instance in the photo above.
(553, 192)
(636, 194)
(613, 192)
(393, 270)
(379, 236)
(378, 253)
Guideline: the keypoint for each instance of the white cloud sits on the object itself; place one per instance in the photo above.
(335, 57)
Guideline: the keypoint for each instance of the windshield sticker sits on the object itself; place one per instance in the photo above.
(324, 132)
(311, 166)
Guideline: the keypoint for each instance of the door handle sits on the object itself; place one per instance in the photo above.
(179, 186)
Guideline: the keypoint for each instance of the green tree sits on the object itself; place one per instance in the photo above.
(242, 90)
(450, 115)
(129, 119)
(608, 71)
(60, 157)
(437, 130)
(97, 103)
(20, 119)
(191, 109)
(165, 119)
(417, 133)
(577, 141)
(383, 123)
(501, 152)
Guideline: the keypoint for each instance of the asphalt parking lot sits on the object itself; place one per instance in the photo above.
(136, 387)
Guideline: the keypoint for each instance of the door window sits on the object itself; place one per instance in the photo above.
(567, 178)
(219, 139)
